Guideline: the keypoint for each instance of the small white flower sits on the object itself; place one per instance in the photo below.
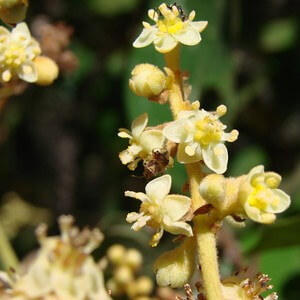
(17, 52)
(160, 210)
(171, 27)
(201, 136)
(260, 196)
(141, 142)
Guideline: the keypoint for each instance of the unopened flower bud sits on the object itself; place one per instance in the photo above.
(147, 80)
(144, 285)
(47, 70)
(213, 189)
(13, 11)
(116, 254)
(133, 258)
(175, 268)
(123, 275)
(113, 287)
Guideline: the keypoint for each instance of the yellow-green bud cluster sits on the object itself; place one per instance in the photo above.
(125, 264)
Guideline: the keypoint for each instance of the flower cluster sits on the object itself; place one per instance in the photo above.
(171, 27)
(160, 210)
(63, 268)
(125, 264)
(196, 137)
(20, 57)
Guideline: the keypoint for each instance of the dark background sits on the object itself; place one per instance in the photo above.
(59, 146)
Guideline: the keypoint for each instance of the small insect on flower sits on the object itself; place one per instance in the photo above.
(260, 196)
(160, 210)
(17, 53)
(201, 136)
(157, 163)
(172, 26)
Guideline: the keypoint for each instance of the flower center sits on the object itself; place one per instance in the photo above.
(66, 257)
(153, 211)
(170, 21)
(208, 131)
(14, 55)
(262, 196)
(170, 25)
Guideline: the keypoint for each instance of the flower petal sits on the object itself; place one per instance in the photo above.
(27, 72)
(189, 36)
(21, 34)
(257, 215)
(159, 188)
(215, 157)
(184, 158)
(152, 139)
(176, 131)
(177, 227)
(140, 196)
(139, 124)
(156, 237)
(258, 170)
(146, 37)
(3, 32)
(176, 206)
(140, 223)
(281, 202)
(185, 114)
(165, 43)
(200, 25)
(139, 218)
(133, 217)
(129, 154)
(132, 165)
(124, 133)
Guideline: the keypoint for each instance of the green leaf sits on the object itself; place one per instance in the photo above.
(86, 59)
(283, 233)
(111, 7)
(280, 265)
(246, 159)
(279, 35)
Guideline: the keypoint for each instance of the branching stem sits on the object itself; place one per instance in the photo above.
(8, 257)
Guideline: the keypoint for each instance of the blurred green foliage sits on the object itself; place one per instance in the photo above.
(58, 145)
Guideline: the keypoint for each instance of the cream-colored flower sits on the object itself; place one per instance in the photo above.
(141, 142)
(201, 136)
(171, 27)
(260, 196)
(17, 52)
(63, 268)
(160, 210)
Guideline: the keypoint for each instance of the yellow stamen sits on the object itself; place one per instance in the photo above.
(208, 131)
